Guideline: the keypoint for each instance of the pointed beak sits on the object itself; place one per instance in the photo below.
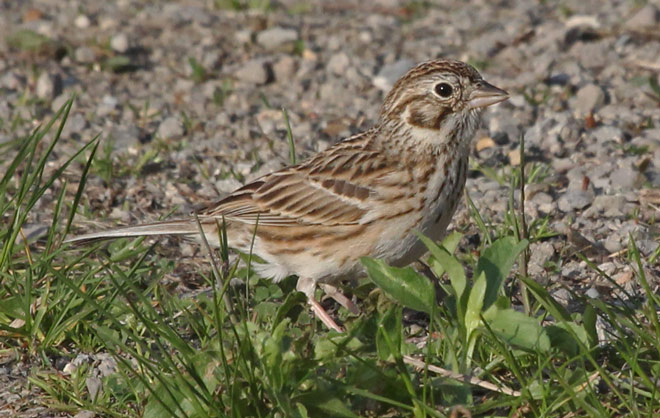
(485, 95)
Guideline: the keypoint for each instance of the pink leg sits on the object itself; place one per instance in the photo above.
(341, 299)
(307, 286)
(324, 316)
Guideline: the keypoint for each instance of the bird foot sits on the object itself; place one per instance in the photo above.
(341, 299)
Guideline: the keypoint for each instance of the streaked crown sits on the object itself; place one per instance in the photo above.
(433, 91)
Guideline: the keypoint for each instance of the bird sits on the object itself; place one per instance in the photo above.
(367, 195)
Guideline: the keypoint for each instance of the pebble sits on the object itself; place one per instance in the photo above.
(540, 254)
(243, 36)
(574, 200)
(254, 71)
(338, 63)
(81, 22)
(12, 81)
(170, 128)
(609, 205)
(646, 17)
(58, 102)
(94, 387)
(589, 98)
(85, 55)
(48, 86)
(562, 295)
(108, 105)
(285, 68)
(608, 133)
(75, 125)
(625, 177)
(119, 43)
(592, 293)
(277, 38)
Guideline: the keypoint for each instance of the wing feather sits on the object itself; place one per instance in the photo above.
(333, 188)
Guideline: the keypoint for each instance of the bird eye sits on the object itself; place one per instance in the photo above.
(444, 89)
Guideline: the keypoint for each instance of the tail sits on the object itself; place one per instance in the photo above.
(176, 227)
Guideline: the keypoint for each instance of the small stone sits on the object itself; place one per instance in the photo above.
(243, 36)
(82, 22)
(108, 105)
(562, 295)
(74, 125)
(309, 55)
(647, 246)
(254, 71)
(485, 142)
(613, 243)
(607, 133)
(94, 387)
(514, 157)
(582, 21)
(624, 177)
(170, 128)
(540, 254)
(48, 86)
(338, 63)
(85, 55)
(285, 68)
(85, 414)
(119, 43)
(574, 200)
(589, 98)
(12, 80)
(646, 17)
(623, 278)
(592, 293)
(277, 38)
(58, 102)
(609, 206)
(333, 93)
(390, 73)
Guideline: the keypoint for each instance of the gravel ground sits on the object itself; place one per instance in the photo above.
(204, 86)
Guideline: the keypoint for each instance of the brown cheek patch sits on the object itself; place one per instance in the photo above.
(416, 117)
(429, 117)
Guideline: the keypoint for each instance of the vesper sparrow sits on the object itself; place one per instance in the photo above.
(365, 196)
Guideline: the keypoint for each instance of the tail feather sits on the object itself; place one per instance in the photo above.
(177, 227)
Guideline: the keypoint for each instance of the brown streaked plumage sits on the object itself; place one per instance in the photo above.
(365, 196)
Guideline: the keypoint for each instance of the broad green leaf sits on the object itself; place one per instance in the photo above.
(450, 242)
(589, 318)
(520, 330)
(474, 304)
(496, 261)
(442, 261)
(29, 41)
(389, 334)
(501, 303)
(405, 285)
(324, 403)
(563, 335)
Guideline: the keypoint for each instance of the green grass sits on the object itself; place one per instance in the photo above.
(254, 350)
